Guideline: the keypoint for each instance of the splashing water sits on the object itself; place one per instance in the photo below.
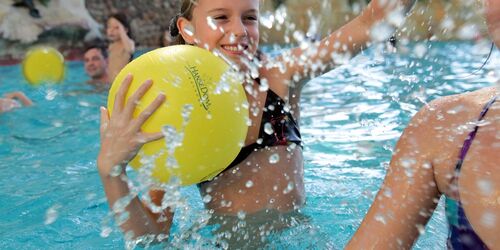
(381, 32)
(274, 158)
(211, 23)
(52, 214)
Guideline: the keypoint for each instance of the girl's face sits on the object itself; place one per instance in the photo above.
(113, 29)
(230, 26)
(492, 9)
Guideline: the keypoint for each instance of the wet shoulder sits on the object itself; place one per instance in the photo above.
(440, 128)
(457, 110)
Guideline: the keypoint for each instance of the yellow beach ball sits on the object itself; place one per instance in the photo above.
(43, 65)
(204, 117)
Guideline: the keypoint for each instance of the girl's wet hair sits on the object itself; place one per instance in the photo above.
(122, 18)
(186, 11)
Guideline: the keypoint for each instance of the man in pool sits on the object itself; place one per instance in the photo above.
(95, 60)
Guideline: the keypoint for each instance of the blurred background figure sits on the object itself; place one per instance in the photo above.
(121, 46)
(166, 39)
(30, 6)
(95, 59)
(14, 100)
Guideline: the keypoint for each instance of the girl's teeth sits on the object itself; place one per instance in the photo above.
(232, 48)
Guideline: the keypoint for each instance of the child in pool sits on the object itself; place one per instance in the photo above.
(14, 100)
(273, 98)
(121, 46)
(455, 154)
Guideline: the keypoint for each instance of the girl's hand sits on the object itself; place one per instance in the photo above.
(121, 135)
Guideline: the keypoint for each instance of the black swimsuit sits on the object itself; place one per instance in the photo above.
(281, 128)
(276, 128)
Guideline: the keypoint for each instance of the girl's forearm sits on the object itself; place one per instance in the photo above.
(140, 221)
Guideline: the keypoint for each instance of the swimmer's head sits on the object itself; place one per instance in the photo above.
(232, 27)
(112, 26)
(95, 61)
(492, 9)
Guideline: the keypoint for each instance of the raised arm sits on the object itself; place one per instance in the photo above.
(120, 140)
(128, 43)
(349, 40)
(408, 195)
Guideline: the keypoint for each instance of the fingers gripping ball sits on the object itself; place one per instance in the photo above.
(204, 117)
(43, 64)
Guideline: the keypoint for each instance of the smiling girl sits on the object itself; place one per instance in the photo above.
(232, 28)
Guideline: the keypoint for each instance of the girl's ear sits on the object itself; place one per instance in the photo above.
(186, 30)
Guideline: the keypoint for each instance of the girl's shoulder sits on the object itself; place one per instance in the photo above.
(465, 103)
(447, 116)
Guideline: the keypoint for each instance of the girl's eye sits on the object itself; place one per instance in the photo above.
(251, 18)
(220, 17)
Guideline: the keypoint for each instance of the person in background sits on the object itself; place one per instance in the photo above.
(95, 59)
(451, 147)
(14, 100)
(121, 46)
(166, 39)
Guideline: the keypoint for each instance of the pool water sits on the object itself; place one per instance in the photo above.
(51, 195)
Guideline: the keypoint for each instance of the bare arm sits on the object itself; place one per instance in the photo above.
(408, 195)
(19, 96)
(349, 40)
(128, 44)
(120, 140)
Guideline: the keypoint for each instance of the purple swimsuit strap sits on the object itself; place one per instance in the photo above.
(472, 134)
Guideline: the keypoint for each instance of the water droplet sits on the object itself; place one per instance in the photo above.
(211, 23)
(51, 95)
(489, 219)
(241, 215)
(207, 198)
(189, 30)
(455, 110)
(232, 38)
(268, 128)
(249, 184)
(288, 188)
(264, 85)
(274, 158)
(448, 23)
(468, 32)
(51, 214)
(116, 171)
(388, 193)
(420, 228)
(485, 186)
(84, 104)
(57, 124)
(420, 50)
(380, 218)
(396, 17)
(106, 231)
(381, 32)
(267, 19)
(427, 165)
